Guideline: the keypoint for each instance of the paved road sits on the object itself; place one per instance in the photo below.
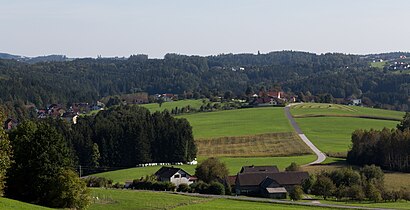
(267, 200)
(320, 155)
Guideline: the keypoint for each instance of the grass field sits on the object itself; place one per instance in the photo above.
(333, 134)
(153, 107)
(226, 204)
(130, 199)
(233, 164)
(269, 144)
(9, 204)
(307, 109)
(379, 65)
(238, 122)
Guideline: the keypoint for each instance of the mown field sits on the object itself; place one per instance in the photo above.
(238, 122)
(9, 204)
(130, 199)
(333, 133)
(268, 144)
(233, 164)
(308, 109)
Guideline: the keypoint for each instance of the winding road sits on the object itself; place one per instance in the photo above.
(320, 155)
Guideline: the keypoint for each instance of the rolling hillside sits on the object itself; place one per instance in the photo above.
(9, 204)
(329, 126)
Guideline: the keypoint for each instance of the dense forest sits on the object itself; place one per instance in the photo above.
(126, 136)
(389, 149)
(87, 80)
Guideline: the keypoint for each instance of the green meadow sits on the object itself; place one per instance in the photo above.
(131, 199)
(307, 109)
(238, 122)
(233, 164)
(332, 133)
(153, 107)
(9, 204)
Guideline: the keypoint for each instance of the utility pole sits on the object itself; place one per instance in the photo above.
(80, 170)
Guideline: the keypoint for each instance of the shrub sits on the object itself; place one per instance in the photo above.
(296, 193)
(199, 187)
(118, 185)
(216, 188)
(93, 181)
(183, 188)
(293, 167)
(228, 189)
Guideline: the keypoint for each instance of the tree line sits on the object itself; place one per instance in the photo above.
(389, 149)
(88, 80)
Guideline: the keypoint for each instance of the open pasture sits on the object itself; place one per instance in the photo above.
(238, 122)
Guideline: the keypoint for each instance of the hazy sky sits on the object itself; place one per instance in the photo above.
(87, 28)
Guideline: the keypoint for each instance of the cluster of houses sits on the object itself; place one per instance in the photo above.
(270, 98)
(259, 181)
(71, 114)
(399, 66)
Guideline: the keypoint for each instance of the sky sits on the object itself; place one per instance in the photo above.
(87, 28)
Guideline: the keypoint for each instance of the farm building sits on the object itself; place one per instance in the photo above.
(267, 181)
(175, 175)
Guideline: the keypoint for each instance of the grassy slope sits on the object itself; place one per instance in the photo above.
(225, 204)
(314, 108)
(128, 199)
(239, 122)
(332, 134)
(7, 204)
(153, 107)
(234, 165)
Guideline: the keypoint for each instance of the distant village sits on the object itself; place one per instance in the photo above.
(255, 99)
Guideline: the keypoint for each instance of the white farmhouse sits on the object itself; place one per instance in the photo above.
(175, 175)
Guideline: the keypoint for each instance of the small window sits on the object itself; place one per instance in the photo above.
(183, 175)
(176, 176)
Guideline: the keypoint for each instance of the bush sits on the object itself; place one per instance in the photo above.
(216, 188)
(199, 187)
(293, 167)
(183, 188)
(118, 185)
(93, 181)
(228, 189)
(297, 193)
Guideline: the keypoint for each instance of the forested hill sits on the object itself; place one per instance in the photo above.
(87, 80)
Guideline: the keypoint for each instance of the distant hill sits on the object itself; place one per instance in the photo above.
(46, 58)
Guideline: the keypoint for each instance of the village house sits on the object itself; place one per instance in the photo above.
(175, 175)
(267, 181)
